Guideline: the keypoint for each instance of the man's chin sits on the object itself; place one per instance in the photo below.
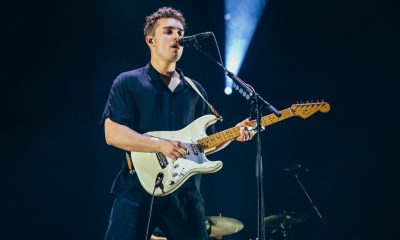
(176, 57)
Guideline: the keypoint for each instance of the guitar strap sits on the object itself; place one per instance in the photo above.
(130, 164)
(213, 110)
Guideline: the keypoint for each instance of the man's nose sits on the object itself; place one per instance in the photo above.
(176, 37)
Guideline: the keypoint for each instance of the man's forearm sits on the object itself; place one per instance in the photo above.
(127, 139)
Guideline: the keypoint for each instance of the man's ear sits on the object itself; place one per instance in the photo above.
(149, 39)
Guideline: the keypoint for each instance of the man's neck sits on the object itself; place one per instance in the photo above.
(164, 68)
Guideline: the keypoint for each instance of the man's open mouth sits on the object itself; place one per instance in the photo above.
(175, 45)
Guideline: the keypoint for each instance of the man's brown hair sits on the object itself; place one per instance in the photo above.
(164, 12)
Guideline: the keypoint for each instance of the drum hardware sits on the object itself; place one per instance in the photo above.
(219, 226)
(283, 222)
(295, 169)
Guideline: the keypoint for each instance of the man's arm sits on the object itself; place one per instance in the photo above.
(123, 137)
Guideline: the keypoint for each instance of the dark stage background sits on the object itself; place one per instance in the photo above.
(59, 61)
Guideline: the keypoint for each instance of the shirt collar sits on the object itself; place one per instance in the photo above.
(155, 76)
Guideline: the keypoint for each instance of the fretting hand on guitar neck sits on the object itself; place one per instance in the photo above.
(245, 134)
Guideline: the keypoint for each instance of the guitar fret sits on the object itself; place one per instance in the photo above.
(271, 118)
(226, 135)
(286, 113)
(220, 138)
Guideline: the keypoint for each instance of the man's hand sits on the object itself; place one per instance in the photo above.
(245, 134)
(172, 149)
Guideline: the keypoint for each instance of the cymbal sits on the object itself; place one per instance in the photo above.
(223, 226)
(286, 217)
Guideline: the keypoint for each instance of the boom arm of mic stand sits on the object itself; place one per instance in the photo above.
(248, 88)
(251, 92)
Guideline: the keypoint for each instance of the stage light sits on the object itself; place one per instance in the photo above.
(241, 19)
(228, 90)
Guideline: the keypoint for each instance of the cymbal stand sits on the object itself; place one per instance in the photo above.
(296, 176)
(283, 228)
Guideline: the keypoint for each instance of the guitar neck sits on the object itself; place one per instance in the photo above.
(229, 134)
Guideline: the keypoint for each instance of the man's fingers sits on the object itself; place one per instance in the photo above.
(247, 122)
(247, 134)
(173, 156)
(181, 152)
(181, 145)
(181, 149)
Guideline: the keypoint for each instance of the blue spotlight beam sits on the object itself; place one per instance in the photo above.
(241, 19)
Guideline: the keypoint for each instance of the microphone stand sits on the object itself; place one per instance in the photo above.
(249, 93)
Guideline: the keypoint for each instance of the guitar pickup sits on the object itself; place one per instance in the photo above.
(195, 149)
(162, 160)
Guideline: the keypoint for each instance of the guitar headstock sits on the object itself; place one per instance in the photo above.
(307, 109)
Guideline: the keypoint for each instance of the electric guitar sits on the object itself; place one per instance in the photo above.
(161, 175)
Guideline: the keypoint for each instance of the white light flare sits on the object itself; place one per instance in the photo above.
(241, 19)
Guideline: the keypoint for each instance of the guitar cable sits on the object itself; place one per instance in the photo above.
(158, 184)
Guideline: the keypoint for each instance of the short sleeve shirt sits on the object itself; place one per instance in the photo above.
(140, 100)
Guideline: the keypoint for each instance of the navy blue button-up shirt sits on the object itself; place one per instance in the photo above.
(140, 100)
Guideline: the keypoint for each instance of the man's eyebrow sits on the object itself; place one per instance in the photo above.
(170, 27)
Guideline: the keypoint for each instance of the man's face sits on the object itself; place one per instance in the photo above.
(165, 40)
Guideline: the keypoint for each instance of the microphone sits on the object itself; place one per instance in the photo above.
(186, 41)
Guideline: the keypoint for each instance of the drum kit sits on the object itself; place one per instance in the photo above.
(219, 227)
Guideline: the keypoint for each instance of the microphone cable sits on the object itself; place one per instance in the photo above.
(157, 184)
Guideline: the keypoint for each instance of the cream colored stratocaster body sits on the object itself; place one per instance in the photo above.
(174, 173)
